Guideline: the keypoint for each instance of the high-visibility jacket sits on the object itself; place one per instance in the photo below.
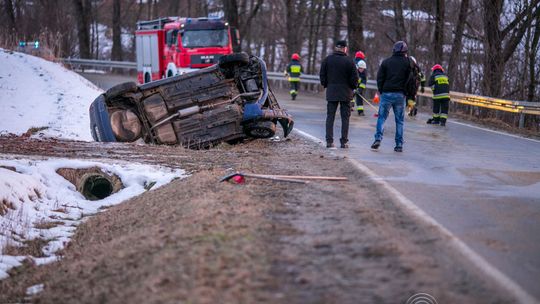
(294, 70)
(362, 79)
(422, 79)
(439, 85)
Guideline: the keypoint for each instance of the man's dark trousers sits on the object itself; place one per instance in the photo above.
(345, 111)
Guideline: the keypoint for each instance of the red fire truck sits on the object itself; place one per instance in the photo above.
(171, 46)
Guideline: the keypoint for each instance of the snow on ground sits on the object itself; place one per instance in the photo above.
(36, 202)
(36, 194)
(36, 93)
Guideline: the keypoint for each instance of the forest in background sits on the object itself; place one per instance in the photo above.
(488, 47)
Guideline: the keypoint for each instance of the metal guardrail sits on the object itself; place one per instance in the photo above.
(79, 63)
(521, 107)
(518, 107)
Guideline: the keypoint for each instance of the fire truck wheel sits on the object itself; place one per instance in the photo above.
(261, 129)
(228, 61)
(117, 90)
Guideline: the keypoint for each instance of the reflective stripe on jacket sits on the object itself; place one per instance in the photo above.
(294, 70)
(440, 85)
(362, 79)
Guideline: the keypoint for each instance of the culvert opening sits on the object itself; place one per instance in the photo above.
(95, 187)
(92, 183)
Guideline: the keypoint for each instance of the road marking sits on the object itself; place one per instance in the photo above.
(504, 282)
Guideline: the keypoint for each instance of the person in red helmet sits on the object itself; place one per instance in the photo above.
(359, 56)
(293, 71)
(440, 85)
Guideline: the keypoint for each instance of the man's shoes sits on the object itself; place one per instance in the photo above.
(443, 123)
(376, 144)
(429, 121)
(398, 148)
(330, 145)
(361, 113)
(345, 146)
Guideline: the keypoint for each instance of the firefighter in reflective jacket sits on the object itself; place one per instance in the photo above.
(421, 83)
(359, 92)
(293, 72)
(441, 95)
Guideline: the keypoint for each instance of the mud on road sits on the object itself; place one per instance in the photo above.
(197, 240)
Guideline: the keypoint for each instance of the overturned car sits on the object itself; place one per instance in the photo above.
(230, 101)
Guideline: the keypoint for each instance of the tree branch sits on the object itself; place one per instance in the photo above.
(518, 19)
(517, 35)
(253, 12)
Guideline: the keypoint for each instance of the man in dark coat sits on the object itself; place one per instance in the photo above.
(391, 82)
(339, 78)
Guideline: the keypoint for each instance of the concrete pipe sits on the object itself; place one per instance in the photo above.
(92, 183)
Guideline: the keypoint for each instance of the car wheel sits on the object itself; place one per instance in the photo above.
(117, 90)
(261, 129)
(228, 61)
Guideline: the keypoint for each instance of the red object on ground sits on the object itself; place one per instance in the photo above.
(238, 179)
(376, 98)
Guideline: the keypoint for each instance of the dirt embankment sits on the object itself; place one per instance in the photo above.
(200, 241)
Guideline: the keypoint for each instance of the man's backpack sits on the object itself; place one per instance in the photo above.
(412, 84)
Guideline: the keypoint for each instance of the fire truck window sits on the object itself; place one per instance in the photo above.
(205, 38)
(171, 37)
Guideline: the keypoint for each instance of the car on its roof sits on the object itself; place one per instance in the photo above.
(229, 101)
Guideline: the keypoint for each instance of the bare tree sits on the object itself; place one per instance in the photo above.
(82, 14)
(533, 56)
(438, 37)
(10, 14)
(401, 33)
(338, 20)
(116, 53)
(499, 43)
(295, 14)
(355, 26)
(455, 54)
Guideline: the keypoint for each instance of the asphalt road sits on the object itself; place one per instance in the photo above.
(481, 185)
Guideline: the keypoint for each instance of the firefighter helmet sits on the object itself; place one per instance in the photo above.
(295, 56)
(437, 67)
(360, 55)
(361, 64)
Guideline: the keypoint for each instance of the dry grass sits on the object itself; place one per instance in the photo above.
(5, 205)
(47, 224)
(30, 247)
(34, 130)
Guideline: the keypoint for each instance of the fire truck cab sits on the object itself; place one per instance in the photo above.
(172, 46)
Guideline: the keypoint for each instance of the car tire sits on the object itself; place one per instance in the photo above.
(100, 125)
(117, 90)
(228, 61)
(261, 129)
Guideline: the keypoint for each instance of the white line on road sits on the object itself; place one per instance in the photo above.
(484, 266)
(492, 131)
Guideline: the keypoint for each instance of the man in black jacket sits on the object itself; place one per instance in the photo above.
(391, 83)
(339, 77)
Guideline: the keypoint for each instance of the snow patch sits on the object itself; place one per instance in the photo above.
(36, 194)
(35, 93)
